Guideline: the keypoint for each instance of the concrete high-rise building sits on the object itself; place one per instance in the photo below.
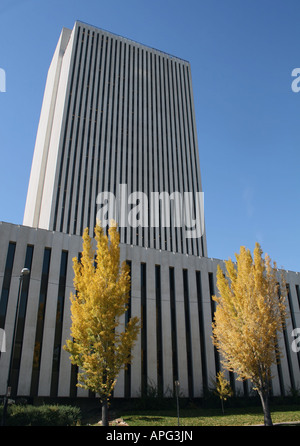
(117, 138)
(116, 112)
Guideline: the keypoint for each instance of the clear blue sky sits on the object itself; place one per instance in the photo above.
(242, 53)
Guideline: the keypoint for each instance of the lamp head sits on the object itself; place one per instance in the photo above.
(25, 272)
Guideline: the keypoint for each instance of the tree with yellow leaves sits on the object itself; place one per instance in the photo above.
(99, 346)
(222, 388)
(250, 313)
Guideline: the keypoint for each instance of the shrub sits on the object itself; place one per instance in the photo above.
(45, 415)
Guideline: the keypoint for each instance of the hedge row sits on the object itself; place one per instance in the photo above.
(45, 415)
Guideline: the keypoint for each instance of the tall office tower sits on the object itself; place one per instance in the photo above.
(118, 119)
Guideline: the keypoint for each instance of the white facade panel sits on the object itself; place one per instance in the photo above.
(48, 115)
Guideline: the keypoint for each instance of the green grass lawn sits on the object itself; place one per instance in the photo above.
(210, 417)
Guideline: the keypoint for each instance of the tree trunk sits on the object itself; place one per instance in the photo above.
(104, 412)
(265, 405)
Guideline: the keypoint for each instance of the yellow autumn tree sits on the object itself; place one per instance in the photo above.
(249, 316)
(222, 388)
(99, 346)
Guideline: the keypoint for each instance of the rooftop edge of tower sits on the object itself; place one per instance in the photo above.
(80, 22)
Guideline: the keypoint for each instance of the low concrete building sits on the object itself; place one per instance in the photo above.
(170, 292)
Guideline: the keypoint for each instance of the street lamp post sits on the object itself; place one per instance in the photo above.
(24, 272)
(177, 385)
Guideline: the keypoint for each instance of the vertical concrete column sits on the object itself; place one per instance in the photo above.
(30, 320)
(195, 335)
(136, 311)
(151, 349)
(11, 306)
(50, 318)
(166, 330)
(181, 330)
